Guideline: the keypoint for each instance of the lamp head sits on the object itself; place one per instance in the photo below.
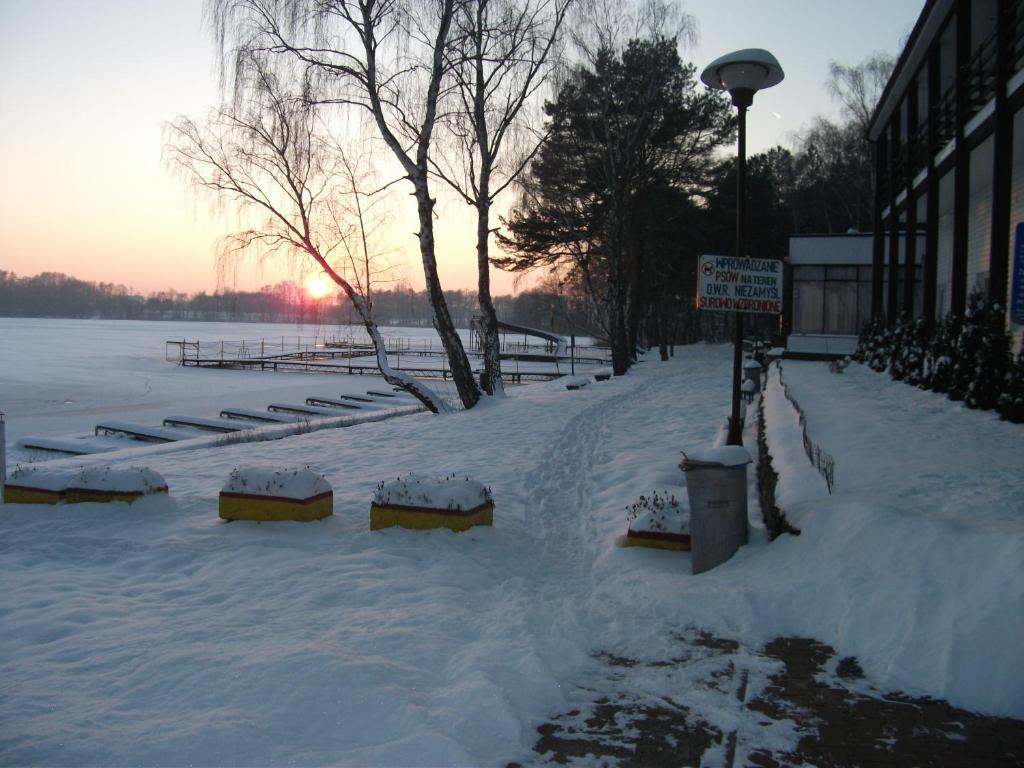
(743, 73)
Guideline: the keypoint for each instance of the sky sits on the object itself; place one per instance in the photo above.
(86, 85)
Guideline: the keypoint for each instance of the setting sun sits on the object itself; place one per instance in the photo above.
(318, 286)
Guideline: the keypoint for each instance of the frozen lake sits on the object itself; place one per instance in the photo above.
(60, 376)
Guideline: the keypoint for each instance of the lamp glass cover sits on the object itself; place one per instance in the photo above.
(743, 74)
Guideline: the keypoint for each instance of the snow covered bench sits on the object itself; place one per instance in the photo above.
(40, 485)
(660, 522)
(268, 495)
(426, 502)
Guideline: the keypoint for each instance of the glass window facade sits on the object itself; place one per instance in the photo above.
(831, 300)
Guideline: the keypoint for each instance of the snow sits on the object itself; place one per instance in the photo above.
(720, 455)
(448, 492)
(284, 483)
(93, 478)
(62, 377)
(171, 638)
(45, 480)
(800, 487)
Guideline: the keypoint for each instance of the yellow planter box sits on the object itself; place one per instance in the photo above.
(423, 518)
(679, 542)
(26, 494)
(244, 506)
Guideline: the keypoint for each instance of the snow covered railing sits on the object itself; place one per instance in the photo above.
(820, 458)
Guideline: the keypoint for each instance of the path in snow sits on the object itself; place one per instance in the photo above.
(161, 635)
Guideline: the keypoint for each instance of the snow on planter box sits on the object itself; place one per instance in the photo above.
(428, 502)
(40, 485)
(267, 495)
(36, 485)
(658, 521)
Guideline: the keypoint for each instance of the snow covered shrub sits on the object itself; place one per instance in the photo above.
(981, 355)
(867, 344)
(939, 361)
(1011, 401)
(909, 361)
(992, 359)
(872, 348)
(899, 338)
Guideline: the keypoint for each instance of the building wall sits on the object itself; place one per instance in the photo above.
(979, 218)
(964, 68)
(1016, 207)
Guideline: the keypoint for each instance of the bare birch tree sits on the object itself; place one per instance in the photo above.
(501, 58)
(388, 60)
(266, 155)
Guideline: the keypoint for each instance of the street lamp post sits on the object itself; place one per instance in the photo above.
(742, 74)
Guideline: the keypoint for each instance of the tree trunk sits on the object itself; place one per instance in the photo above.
(634, 298)
(621, 358)
(662, 320)
(493, 383)
(462, 373)
(417, 389)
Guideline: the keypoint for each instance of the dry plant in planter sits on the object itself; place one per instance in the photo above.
(269, 495)
(41, 485)
(658, 520)
(452, 502)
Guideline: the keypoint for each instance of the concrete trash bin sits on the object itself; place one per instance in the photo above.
(716, 484)
(752, 372)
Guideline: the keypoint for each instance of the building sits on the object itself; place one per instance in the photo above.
(828, 293)
(949, 140)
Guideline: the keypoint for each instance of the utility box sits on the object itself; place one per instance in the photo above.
(716, 484)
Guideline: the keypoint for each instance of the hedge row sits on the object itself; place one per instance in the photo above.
(969, 358)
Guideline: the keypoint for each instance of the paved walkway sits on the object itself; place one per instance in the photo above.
(840, 720)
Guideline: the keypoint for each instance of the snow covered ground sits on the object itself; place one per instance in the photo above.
(157, 634)
(59, 377)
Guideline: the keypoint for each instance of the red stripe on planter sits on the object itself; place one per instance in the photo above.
(682, 538)
(258, 497)
(433, 510)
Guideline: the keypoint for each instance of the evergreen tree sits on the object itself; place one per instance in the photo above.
(939, 364)
(992, 358)
(899, 341)
(621, 133)
(1011, 401)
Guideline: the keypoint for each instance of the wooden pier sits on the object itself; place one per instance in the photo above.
(424, 360)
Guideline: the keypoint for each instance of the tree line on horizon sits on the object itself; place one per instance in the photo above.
(56, 295)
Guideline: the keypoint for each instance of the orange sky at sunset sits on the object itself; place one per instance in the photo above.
(85, 86)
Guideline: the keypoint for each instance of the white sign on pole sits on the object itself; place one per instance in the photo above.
(740, 284)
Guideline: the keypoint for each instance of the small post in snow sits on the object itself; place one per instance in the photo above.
(572, 353)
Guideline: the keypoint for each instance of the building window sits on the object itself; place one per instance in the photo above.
(832, 300)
